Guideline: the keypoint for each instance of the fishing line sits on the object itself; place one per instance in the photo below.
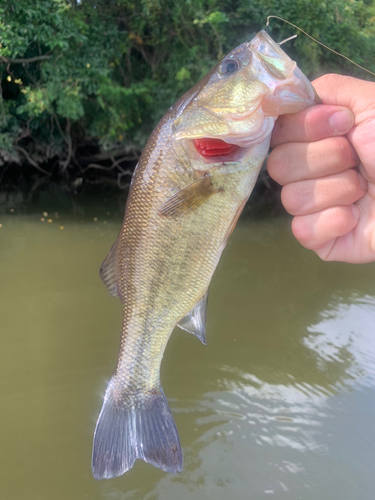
(317, 41)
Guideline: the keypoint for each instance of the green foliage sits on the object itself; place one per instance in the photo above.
(98, 72)
(346, 26)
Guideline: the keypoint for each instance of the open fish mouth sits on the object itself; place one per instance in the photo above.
(234, 140)
(209, 148)
(231, 147)
(212, 150)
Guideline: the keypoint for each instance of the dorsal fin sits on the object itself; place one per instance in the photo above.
(108, 271)
(195, 321)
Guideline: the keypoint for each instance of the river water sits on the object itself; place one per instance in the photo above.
(280, 404)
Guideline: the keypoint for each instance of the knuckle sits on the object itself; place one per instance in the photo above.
(339, 218)
(302, 231)
(314, 125)
(292, 198)
(310, 125)
(314, 231)
(350, 184)
(341, 149)
(276, 164)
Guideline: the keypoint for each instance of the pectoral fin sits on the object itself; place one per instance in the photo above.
(195, 321)
(108, 271)
(189, 198)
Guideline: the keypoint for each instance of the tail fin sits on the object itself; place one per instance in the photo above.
(124, 433)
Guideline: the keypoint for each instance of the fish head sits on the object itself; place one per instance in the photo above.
(235, 106)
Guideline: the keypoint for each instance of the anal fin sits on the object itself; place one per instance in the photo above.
(195, 321)
(107, 271)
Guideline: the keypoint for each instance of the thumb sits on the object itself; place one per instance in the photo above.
(347, 91)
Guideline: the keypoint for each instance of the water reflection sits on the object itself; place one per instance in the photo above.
(345, 336)
(288, 424)
(281, 402)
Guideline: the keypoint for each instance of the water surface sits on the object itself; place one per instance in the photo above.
(280, 403)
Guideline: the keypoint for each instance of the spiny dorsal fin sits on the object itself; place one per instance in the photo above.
(190, 197)
(108, 271)
(195, 321)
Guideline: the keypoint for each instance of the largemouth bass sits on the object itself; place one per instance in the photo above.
(193, 179)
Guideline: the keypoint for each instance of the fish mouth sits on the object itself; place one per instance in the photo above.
(232, 146)
(242, 134)
(210, 148)
(213, 151)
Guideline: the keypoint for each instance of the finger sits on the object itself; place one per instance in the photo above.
(314, 195)
(297, 161)
(315, 230)
(339, 90)
(312, 124)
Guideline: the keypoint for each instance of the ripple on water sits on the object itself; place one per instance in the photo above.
(345, 335)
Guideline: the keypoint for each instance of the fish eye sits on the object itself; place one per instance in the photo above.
(229, 66)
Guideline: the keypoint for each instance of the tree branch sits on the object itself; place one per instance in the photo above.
(30, 160)
(24, 61)
(131, 153)
(119, 185)
(99, 167)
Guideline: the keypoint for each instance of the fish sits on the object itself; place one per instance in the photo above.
(187, 192)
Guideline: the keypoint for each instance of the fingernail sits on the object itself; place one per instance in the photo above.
(356, 211)
(342, 121)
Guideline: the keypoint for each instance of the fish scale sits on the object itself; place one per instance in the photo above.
(181, 210)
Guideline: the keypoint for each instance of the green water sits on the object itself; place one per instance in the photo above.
(280, 403)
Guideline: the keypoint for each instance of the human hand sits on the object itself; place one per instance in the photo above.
(324, 157)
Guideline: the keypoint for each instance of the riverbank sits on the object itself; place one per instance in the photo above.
(31, 190)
